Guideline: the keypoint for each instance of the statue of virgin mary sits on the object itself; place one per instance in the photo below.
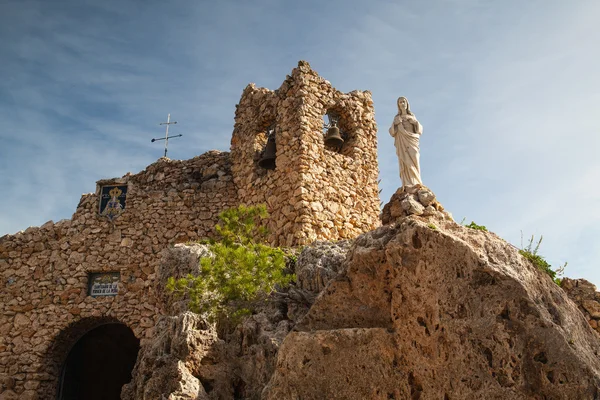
(406, 131)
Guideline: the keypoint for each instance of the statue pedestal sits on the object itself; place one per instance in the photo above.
(412, 200)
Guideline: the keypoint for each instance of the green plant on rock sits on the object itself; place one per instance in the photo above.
(531, 253)
(243, 270)
(473, 225)
(432, 226)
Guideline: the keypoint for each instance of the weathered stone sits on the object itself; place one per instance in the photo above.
(426, 197)
(592, 307)
(9, 395)
(319, 263)
(413, 200)
(429, 210)
(444, 313)
(584, 294)
(162, 370)
(411, 206)
(21, 321)
(308, 176)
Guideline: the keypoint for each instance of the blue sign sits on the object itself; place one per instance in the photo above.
(112, 201)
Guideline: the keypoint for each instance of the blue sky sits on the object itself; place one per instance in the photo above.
(508, 94)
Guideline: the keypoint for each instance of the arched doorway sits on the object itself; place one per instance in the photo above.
(99, 364)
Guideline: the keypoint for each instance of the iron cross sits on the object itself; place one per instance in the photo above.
(167, 137)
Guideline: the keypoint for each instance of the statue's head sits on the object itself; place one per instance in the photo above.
(403, 106)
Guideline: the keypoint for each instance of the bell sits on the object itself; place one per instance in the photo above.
(267, 160)
(333, 138)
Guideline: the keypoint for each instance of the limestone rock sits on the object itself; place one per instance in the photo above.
(592, 307)
(252, 353)
(432, 314)
(426, 197)
(178, 262)
(412, 206)
(189, 357)
(319, 263)
(584, 294)
(165, 368)
(412, 200)
(428, 211)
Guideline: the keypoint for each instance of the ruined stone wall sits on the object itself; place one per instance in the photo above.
(314, 193)
(44, 302)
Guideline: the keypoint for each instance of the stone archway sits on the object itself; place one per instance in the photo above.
(99, 363)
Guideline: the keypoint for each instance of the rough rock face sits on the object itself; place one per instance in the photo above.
(177, 261)
(584, 294)
(319, 263)
(412, 200)
(420, 308)
(189, 360)
(433, 310)
(168, 363)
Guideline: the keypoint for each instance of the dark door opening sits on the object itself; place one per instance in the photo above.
(99, 364)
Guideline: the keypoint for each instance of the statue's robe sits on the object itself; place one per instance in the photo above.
(406, 131)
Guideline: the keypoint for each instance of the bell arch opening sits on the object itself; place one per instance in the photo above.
(99, 364)
(342, 138)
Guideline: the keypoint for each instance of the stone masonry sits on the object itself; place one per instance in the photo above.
(44, 303)
(314, 193)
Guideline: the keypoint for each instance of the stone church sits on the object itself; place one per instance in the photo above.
(80, 294)
(415, 306)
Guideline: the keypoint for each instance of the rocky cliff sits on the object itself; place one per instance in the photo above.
(190, 359)
(420, 308)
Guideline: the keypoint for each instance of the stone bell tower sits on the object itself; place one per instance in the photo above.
(314, 192)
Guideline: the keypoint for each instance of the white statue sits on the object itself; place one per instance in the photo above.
(406, 131)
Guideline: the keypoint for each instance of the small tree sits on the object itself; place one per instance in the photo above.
(243, 270)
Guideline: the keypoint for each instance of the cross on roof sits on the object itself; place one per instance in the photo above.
(167, 137)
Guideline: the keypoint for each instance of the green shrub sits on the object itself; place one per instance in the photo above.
(244, 269)
(531, 253)
(473, 225)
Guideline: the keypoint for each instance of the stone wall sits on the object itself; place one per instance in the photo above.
(314, 193)
(44, 306)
